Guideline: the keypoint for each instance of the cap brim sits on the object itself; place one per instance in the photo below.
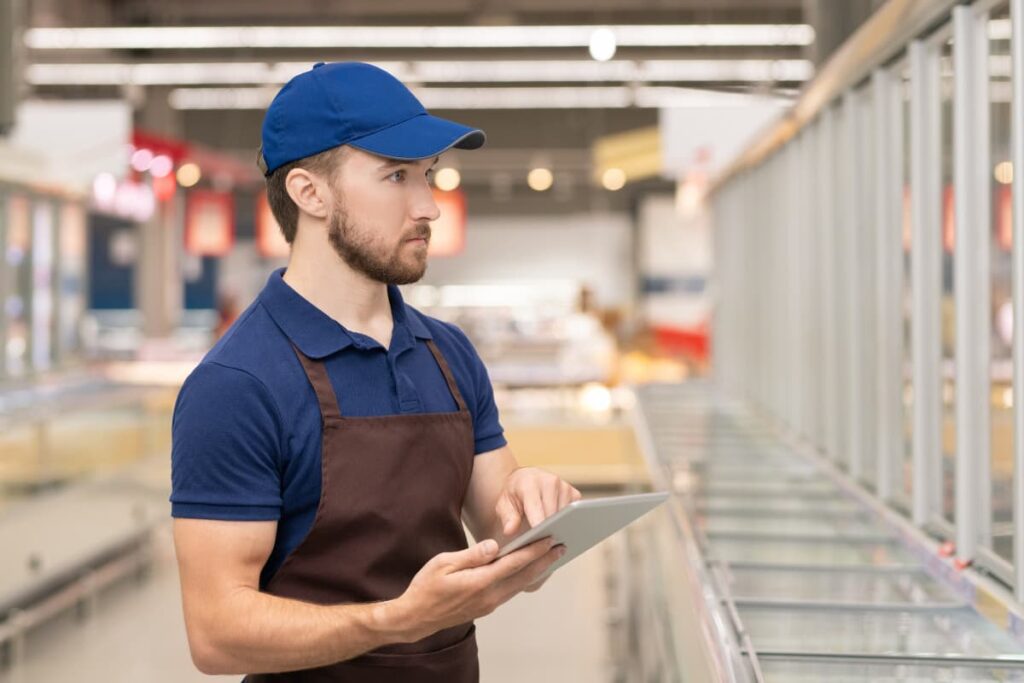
(420, 137)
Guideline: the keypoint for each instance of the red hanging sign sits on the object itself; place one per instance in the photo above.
(448, 232)
(209, 223)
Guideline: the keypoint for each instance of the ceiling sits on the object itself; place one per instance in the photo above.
(518, 138)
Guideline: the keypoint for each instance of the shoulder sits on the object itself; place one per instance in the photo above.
(243, 367)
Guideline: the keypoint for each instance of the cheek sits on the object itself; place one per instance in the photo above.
(379, 203)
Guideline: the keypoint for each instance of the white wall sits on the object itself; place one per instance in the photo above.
(591, 248)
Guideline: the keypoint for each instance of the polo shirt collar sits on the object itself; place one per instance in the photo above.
(315, 333)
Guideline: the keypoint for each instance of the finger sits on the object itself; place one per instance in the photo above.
(509, 514)
(564, 495)
(516, 561)
(576, 495)
(550, 497)
(477, 555)
(531, 573)
(536, 585)
(534, 506)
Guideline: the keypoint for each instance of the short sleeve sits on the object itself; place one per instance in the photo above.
(225, 447)
(488, 433)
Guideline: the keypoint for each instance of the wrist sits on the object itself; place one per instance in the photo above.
(392, 621)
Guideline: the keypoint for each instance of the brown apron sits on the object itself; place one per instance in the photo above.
(391, 499)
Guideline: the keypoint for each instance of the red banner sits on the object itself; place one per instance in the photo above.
(209, 223)
(448, 233)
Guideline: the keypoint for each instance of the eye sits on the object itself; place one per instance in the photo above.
(398, 176)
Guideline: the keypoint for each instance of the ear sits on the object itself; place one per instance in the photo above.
(309, 192)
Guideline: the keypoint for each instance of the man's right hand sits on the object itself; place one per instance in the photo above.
(456, 587)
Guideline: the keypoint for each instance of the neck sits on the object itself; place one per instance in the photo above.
(355, 301)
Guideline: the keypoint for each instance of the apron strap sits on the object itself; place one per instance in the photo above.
(316, 371)
(447, 372)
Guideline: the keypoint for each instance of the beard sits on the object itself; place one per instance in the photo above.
(401, 265)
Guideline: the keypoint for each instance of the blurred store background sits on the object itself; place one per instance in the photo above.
(575, 249)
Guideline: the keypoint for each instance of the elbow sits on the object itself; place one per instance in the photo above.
(209, 657)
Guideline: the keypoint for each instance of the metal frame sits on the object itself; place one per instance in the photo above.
(829, 316)
(853, 317)
(888, 201)
(879, 39)
(867, 287)
(973, 279)
(804, 261)
(926, 185)
(1017, 155)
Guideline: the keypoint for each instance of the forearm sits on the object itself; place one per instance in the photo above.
(254, 632)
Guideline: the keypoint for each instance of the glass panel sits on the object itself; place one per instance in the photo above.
(727, 503)
(816, 553)
(71, 287)
(42, 285)
(783, 671)
(947, 300)
(943, 631)
(1002, 311)
(19, 284)
(903, 488)
(810, 524)
(867, 281)
(910, 586)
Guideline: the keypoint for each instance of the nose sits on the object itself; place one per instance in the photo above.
(424, 207)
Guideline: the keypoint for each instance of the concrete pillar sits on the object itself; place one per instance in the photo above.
(159, 283)
(833, 23)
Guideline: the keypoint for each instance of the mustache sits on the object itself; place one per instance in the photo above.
(422, 231)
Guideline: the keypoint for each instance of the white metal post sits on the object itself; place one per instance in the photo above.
(851, 222)
(925, 189)
(888, 203)
(973, 326)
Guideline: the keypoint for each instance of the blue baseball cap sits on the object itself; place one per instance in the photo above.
(357, 104)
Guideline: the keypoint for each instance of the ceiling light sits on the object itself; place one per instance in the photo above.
(602, 44)
(189, 174)
(540, 179)
(227, 37)
(597, 97)
(141, 160)
(161, 166)
(1004, 172)
(481, 71)
(613, 179)
(447, 179)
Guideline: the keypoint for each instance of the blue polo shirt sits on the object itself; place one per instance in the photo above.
(246, 430)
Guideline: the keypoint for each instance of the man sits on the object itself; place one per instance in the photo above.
(328, 448)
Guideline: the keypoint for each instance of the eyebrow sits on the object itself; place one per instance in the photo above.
(404, 162)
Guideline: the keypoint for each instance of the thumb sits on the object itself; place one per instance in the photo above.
(508, 514)
(474, 556)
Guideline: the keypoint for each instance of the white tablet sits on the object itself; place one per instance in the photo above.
(584, 523)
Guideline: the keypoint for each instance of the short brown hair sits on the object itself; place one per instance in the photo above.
(286, 212)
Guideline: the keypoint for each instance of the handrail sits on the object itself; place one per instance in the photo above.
(879, 39)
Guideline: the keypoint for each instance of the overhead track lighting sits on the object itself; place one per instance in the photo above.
(362, 37)
(481, 71)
